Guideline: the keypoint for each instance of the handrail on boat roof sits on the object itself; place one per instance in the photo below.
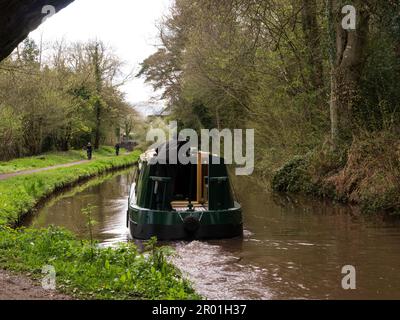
(149, 154)
(160, 179)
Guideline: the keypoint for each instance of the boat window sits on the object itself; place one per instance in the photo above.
(159, 196)
(185, 183)
(220, 197)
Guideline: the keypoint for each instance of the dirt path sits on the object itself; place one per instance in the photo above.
(20, 173)
(18, 287)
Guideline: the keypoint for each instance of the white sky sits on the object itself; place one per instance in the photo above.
(128, 26)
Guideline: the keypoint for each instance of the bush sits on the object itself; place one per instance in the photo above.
(293, 177)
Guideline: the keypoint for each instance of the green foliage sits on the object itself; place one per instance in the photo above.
(30, 52)
(295, 79)
(293, 177)
(19, 195)
(159, 255)
(380, 107)
(52, 104)
(87, 212)
(224, 66)
(92, 272)
(84, 269)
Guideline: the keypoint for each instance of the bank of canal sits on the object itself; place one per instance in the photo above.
(83, 269)
(291, 249)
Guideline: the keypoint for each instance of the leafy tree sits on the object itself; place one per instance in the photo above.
(62, 103)
(286, 68)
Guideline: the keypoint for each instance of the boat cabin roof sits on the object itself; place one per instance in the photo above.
(164, 149)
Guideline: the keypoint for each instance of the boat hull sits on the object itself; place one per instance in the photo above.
(172, 225)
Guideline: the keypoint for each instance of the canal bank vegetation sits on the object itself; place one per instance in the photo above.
(367, 174)
(20, 195)
(324, 99)
(84, 269)
(88, 271)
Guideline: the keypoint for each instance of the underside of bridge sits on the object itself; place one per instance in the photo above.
(19, 17)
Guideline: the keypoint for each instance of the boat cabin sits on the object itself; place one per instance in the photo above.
(182, 201)
(175, 187)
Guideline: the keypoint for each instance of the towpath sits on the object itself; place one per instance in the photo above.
(19, 287)
(24, 172)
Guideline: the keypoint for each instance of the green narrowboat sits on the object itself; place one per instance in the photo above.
(183, 201)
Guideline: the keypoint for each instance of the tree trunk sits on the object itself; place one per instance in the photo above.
(347, 65)
(98, 123)
(334, 111)
(98, 111)
(313, 44)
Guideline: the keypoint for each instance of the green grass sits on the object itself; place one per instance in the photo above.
(92, 272)
(19, 195)
(83, 270)
(52, 159)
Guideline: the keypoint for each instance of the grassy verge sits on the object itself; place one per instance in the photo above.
(83, 269)
(91, 272)
(367, 174)
(19, 195)
(52, 159)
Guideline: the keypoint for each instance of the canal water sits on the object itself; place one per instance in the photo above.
(292, 248)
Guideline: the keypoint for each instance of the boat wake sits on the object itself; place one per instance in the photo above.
(217, 275)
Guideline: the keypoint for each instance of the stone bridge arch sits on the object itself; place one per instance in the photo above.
(19, 17)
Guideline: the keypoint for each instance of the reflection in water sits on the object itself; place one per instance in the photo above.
(292, 249)
(107, 194)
